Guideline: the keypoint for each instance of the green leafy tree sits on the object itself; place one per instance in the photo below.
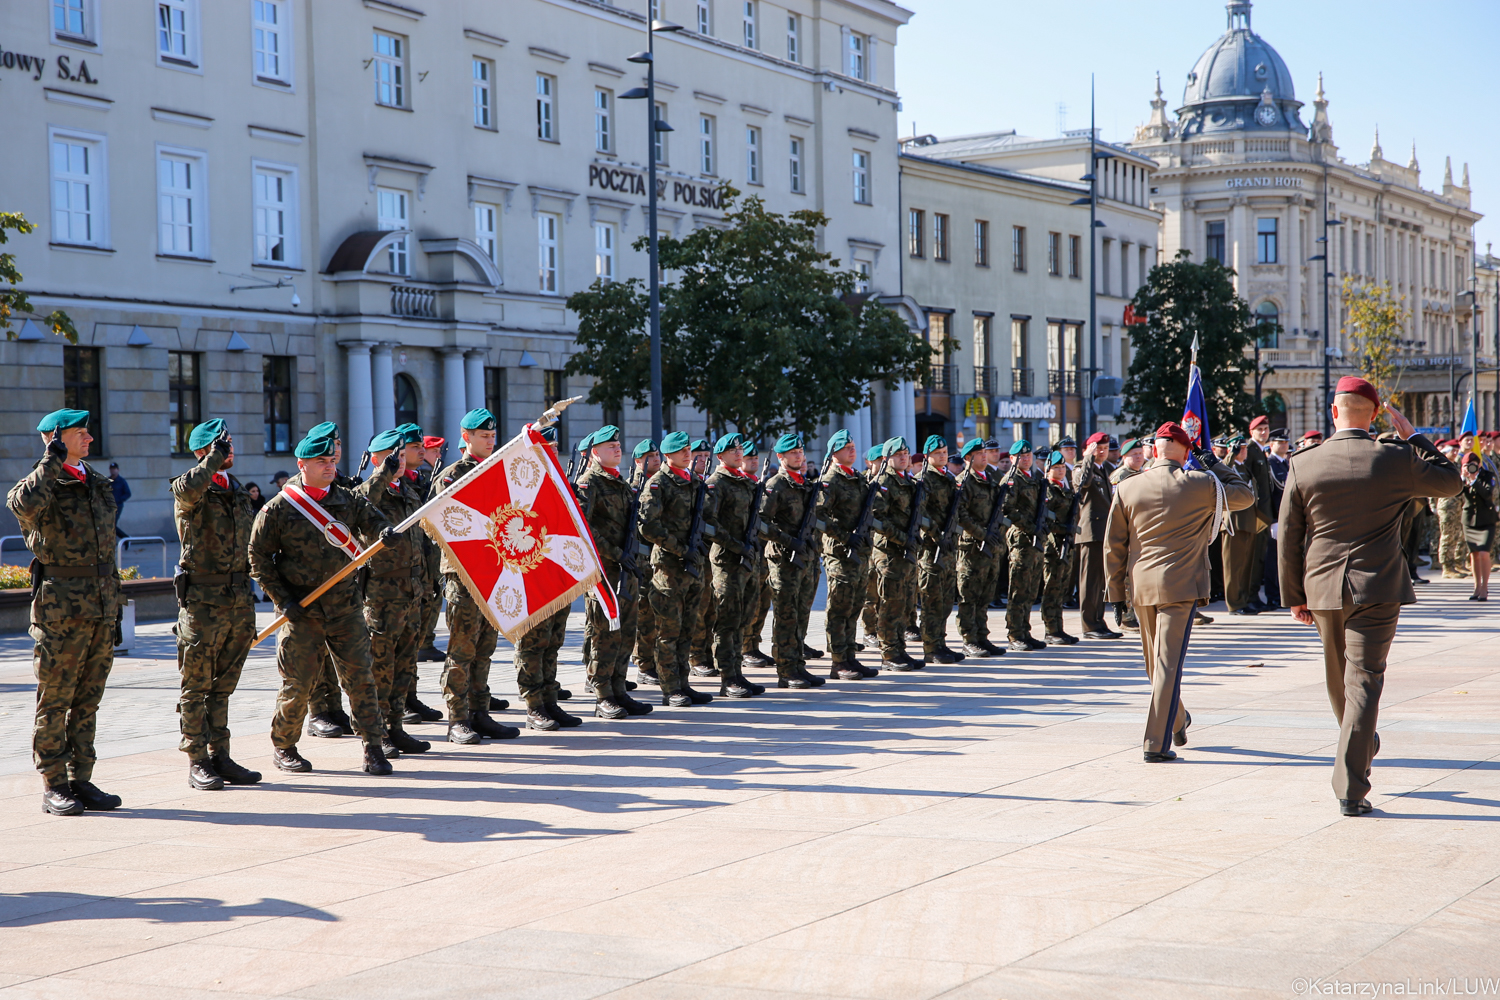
(1375, 316)
(12, 299)
(1182, 299)
(760, 328)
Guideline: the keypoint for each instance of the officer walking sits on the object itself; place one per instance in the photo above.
(1132, 461)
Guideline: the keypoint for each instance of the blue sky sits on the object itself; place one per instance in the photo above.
(1421, 71)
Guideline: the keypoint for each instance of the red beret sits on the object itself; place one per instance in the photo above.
(1095, 438)
(1313, 435)
(433, 441)
(1472, 459)
(1174, 431)
(1260, 421)
(1359, 387)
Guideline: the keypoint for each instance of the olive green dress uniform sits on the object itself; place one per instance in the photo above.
(1117, 477)
(1025, 583)
(787, 496)
(396, 579)
(471, 637)
(893, 571)
(735, 584)
(216, 621)
(1056, 572)
(1238, 550)
(937, 585)
(977, 566)
(69, 526)
(1091, 490)
(606, 499)
(1258, 468)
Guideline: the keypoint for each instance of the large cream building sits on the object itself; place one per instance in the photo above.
(1242, 178)
(285, 211)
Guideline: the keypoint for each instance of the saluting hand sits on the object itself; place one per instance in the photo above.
(56, 448)
(1399, 423)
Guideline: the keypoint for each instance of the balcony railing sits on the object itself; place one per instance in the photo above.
(409, 301)
(986, 381)
(1062, 382)
(941, 379)
(1022, 382)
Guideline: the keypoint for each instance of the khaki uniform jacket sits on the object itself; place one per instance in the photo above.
(1160, 528)
(1340, 525)
(1091, 483)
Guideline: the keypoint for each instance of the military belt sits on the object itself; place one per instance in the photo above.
(218, 579)
(405, 573)
(60, 572)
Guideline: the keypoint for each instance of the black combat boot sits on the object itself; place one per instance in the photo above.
(563, 718)
(459, 732)
(431, 654)
(375, 762)
(422, 713)
(704, 670)
(231, 772)
(537, 717)
(1060, 639)
(405, 742)
(487, 727)
(809, 653)
(977, 649)
(93, 798)
(994, 649)
(942, 655)
(648, 676)
(290, 760)
(324, 725)
(607, 708)
(624, 700)
(498, 704)
(59, 801)
(734, 687)
(845, 670)
(202, 776)
(341, 717)
(389, 749)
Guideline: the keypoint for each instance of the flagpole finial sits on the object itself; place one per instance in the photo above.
(554, 412)
(1195, 343)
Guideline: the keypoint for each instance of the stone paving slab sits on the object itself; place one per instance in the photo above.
(979, 830)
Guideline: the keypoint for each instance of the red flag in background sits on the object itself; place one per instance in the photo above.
(512, 531)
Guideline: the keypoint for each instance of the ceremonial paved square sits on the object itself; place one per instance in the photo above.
(984, 830)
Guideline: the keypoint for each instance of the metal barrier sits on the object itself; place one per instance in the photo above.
(120, 548)
(8, 538)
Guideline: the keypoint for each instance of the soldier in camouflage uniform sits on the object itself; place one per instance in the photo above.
(1061, 502)
(937, 581)
(1132, 461)
(840, 506)
(326, 717)
(701, 658)
(1022, 497)
(893, 570)
(67, 512)
(870, 613)
(432, 586)
(978, 559)
(291, 556)
(646, 461)
(793, 583)
(471, 637)
(609, 506)
(733, 565)
(758, 593)
(216, 623)
(666, 522)
(394, 581)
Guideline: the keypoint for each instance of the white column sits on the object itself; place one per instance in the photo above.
(1296, 260)
(909, 400)
(361, 425)
(893, 418)
(383, 385)
(453, 396)
(474, 379)
(1242, 243)
(863, 432)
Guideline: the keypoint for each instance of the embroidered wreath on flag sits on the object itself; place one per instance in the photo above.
(517, 543)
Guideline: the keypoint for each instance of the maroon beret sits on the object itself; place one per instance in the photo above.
(432, 441)
(1260, 421)
(1095, 438)
(1359, 387)
(1175, 431)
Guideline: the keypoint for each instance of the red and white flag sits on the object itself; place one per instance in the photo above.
(513, 531)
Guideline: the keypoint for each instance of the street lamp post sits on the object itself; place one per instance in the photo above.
(1326, 257)
(653, 126)
(1086, 415)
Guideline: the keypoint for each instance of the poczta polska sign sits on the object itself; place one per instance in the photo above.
(622, 180)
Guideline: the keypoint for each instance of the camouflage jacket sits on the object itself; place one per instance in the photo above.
(1121, 474)
(69, 523)
(432, 553)
(839, 506)
(605, 498)
(1060, 501)
(733, 495)
(893, 510)
(1020, 505)
(978, 493)
(441, 480)
(290, 558)
(213, 524)
(666, 516)
(941, 489)
(398, 571)
(781, 512)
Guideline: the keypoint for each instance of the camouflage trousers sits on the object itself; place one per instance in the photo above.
(645, 628)
(703, 637)
(1453, 551)
(395, 635)
(1025, 586)
(761, 605)
(71, 661)
(432, 606)
(793, 588)
(212, 643)
(471, 643)
(536, 659)
(734, 587)
(608, 657)
(938, 586)
(301, 650)
(893, 574)
(324, 696)
(675, 599)
(871, 612)
(1056, 586)
(976, 589)
(846, 598)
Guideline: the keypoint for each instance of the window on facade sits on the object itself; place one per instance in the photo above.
(81, 387)
(1141, 271)
(703, 23)
(175, 32)
(272, 208)
(1267, 318)
(547, 234)
(863, 273)
(795, 164)
(390, 70)
(916, 236)
(861, 177)
(604, 251)
(604, 133)
(494, 398)
(406, 399)
(1106, 249)
(939, 236)
(391, 209)
(180, 203)
(182, 398)
(276, 401)
(981, 243)
(752, 155)
(1018, 248)
(1054, 254)
(793, 38)
(71, 18)
(546, 95)
(554, 389)
(858, 55)
(939, 326)
(483, 73)
(1214, 248)
(751, 36)
(1265, 241)
(707, 158)
(486, 232)
(77, 190)
(1075, 256)
(659, 139)
(1020, 346)
(982, 329)
(269, 27)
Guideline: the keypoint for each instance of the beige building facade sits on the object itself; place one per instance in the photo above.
(280, 212)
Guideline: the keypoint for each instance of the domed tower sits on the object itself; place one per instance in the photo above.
(1240, 84)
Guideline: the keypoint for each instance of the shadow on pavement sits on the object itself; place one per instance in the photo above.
(60, 907)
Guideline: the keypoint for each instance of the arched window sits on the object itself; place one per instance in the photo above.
(406, 400)
(1268, 323)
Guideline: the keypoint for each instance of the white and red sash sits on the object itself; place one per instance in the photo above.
(336, 532)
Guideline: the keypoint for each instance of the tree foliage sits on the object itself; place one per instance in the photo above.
(1182, 299)
(12, 299)
(760, 328)
(1376, 315)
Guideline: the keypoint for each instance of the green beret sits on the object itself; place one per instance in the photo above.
(643, 449)
(61, 420)
(875, 454)
(674, 442)
(1056, 458)
(327, 429)
(478, 420)
(315, 446)
(604, 435)
(893, 445)
(973, 444)
(1132, 445)
(205, 434)
(726, 442)
(1021, 447)
(386, 441)
(410, 434)
(788, 442)
(934, 442)
(840, 439)
(750, 448)
(701, 444)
